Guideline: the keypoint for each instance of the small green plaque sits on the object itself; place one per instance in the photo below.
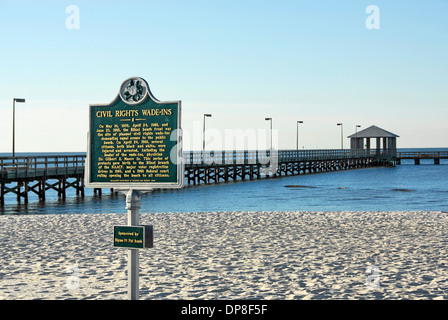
(133, 237)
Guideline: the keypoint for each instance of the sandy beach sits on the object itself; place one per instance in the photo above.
(230, 255)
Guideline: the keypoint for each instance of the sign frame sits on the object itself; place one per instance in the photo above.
(142, 186)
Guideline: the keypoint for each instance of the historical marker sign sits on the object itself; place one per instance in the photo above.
(134, 145)
(135, 141)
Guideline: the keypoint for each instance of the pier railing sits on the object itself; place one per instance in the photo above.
(22, 167)
(231, 157)
(426, 154)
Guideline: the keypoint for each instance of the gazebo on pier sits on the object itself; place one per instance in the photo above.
(386, 142)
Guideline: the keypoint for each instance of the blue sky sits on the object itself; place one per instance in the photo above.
(241, 61)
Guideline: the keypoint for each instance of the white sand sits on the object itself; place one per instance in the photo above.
(232, 255)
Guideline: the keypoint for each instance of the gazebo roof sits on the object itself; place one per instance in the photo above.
(373, 132)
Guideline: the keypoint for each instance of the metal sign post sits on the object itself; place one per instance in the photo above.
(133, 206)
(134, 146)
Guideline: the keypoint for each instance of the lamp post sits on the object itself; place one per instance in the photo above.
(203, 132)
(342, 134)
(14, 123)
(297, 144)
(270, 119)
(357, 142)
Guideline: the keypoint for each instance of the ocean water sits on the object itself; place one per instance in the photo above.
(405, 187)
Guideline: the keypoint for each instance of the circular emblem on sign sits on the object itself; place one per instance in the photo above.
(133, 90)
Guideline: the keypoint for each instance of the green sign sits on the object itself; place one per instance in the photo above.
(135, 141)
(133, 237)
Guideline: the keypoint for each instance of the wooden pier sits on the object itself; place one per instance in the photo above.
(39, 174)
(224, 166)
(33, 174)
(417, 156)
